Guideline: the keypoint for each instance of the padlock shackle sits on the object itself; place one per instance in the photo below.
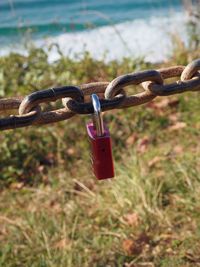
(97, 116)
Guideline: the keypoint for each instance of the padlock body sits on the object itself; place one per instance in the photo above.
(101, 153)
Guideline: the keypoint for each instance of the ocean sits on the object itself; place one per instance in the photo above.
(108, 29)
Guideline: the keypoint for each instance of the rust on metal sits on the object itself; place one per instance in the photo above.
(48, 95)
(131, 79)
(112, 95)
(190, 71)
(174, 88)
(171, 72)
(18, 121)
(10, 103)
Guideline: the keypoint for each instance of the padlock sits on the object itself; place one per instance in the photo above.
(100, 142)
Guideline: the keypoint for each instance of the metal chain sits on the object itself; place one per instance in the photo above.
(112, 95)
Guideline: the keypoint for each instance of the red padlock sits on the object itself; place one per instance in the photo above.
(100, 141)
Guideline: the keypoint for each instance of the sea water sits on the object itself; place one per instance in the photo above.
(108, 29)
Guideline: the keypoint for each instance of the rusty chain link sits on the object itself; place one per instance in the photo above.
(112, 95)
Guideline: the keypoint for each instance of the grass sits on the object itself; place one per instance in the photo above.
(52, 210)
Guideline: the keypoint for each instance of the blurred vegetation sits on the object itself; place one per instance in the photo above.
(52, 210)
(192, 8)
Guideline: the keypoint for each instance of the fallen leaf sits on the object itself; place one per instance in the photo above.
(71, 151)
(164, 103)
(154, 161)
(17, 186)
(156, 109)
(130, 247)
(143, 144)
(40, 168)
(160, 174)
(178, 149)
(156, 251)
(191, 257)
(174, 117)
(131, 139)
(177, 126)
(62, 244)
(132, 219)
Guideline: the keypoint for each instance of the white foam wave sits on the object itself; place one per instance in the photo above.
(150, 38)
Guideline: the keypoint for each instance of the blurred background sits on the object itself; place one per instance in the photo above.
(53, 212)
(109, 29)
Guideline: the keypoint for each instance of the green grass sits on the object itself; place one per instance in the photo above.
(52, 210)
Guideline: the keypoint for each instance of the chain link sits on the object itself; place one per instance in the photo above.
(76, 100)
(190, 80)
(18, 121)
